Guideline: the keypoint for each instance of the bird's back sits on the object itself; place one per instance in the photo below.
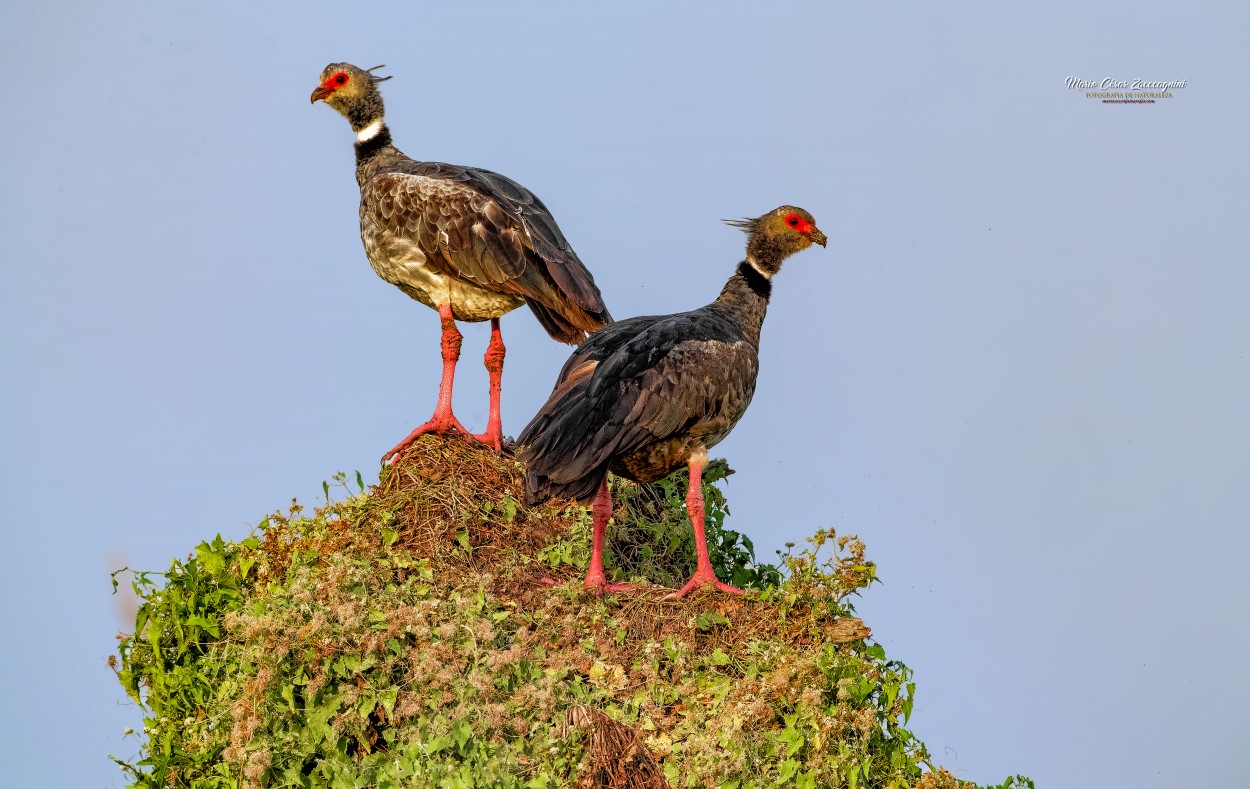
(426, 222)
(636, 398)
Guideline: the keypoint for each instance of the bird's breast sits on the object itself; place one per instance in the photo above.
(402, 263)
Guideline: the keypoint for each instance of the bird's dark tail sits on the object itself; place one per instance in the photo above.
(565, 329)
(540, 488)
(556, 448)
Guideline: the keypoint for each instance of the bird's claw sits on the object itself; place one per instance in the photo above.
(599, 585)
(490, 439)
(701, 582)
(597, 588)
(441, 425)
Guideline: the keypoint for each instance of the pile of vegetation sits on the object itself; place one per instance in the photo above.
(431, 631)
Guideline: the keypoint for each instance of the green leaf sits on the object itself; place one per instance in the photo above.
(462, 732)
(709, 619)
(245, 565)
(387, 699)
(788, 769)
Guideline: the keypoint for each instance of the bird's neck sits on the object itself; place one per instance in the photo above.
(371, 141)
(373, 147)
(745, 299)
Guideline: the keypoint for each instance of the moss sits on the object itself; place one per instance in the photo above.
(409, 635)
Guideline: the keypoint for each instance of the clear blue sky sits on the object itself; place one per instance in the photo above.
(1019, 372)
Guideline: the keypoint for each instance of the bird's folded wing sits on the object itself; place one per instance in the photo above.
(462, 233)
(472, 234)
(661, 384)
(555, 255)
(696, 381)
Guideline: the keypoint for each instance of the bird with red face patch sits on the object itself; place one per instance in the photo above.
(469, 243)
(648, 395)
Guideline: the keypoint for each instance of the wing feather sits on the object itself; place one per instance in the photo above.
(482, 227)
(636, 383)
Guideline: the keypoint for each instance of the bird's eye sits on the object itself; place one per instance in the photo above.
(341, 79)
(794, 221)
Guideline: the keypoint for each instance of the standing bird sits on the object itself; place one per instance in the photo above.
(648, 395)
(469, 243)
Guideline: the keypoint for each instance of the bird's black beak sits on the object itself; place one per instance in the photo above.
(819, 237)
(321, 93)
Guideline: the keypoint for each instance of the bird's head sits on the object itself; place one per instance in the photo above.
(353, 91)
(777, 235)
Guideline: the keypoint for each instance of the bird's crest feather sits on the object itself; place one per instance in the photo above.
(747, 226)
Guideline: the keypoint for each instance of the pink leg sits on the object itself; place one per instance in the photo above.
(443, 421)
(704, 575)
(493, 437)
(602, 512)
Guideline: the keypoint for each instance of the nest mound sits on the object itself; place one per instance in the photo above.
(409, 635)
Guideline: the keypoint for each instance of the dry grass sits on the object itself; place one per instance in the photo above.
(446, 494)
(616, 758)
(424, 605)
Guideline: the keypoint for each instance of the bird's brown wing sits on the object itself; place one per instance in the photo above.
(488, 230)
(461, 234)
(644, 381)
(559, 261)
(699, 383)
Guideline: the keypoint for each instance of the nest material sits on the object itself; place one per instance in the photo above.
(444, 496)
(438, 480)
(615, 757)
(384, 577)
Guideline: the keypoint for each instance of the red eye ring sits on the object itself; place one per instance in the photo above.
(341, 79)
(798, 223)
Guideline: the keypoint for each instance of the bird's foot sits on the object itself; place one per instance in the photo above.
(701, 580)
(440, 424)
(598, 587)
(491, 438)
(599, 584)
